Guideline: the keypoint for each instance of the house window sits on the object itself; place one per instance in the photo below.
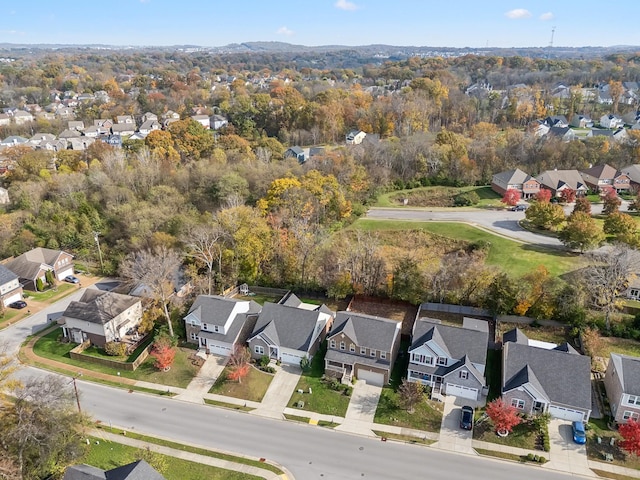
(372, 353)
(383, 355)
(259, 349)
(216, 328)
(633, 400)
(194, 336)
(363, 350)
(442, 361)
(519, 404)
(634, 292)
(205, 326)
(332, 344)
(342, 346)
(420, 376)
(464, 374)
(424, 359)
(627, 415)
(352, 348)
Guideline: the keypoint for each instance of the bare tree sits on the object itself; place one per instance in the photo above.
(156, 270)
(205, 243)
(410, 394)
(607, 276)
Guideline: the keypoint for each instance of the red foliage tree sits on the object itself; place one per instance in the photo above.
(164, 356)
(239, 363)
(544, 195)
(503, 416)
(630, 432)
(611, 201)
(511, 197)
(568, 195)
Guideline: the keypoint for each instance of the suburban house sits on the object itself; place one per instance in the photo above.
(296, 152)
(622, 383)
(602, 176)
(217, 323)
(355, 137)
(139, 470)
(33, 265)
(217, 122)
(10, 288)
(611, 121)
(102, 317)
(363, 346)
(581, 121)
(202, 120)
(290, 331)
(149, 126)
(515, 180)
(558, 180)
(124, 129)
(531, 386)
(125, 119)
(633, 287)
(450, 359)
(633, 172)
(563, 133)
(556, 121)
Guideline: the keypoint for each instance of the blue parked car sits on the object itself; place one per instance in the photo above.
(579, 436)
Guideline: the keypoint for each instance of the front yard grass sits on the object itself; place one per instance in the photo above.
(61, 290)
(324, 399)
(427, 415)
(522, 436)
(596, 451)
(513, 257)
(253, 386)
(181, 373)
(438, 197)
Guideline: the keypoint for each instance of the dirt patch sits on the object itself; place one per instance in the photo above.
(395, 310)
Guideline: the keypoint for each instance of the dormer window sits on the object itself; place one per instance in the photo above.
(464, 374)
(442, 361)
(363, 350)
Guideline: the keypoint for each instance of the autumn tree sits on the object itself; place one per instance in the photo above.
(630, 432)
(621, 225)
(543, 195)
(582, 205)
(205, 243)
(238, 364)
(501, 296)
(611, 202)
(164, 353)
(511, 197)
(156, 269)
(545, 215)
(568, 195)
(411, 393)
(581, 232)
(503, 416)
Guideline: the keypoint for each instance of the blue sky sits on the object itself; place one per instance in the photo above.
(458, 23)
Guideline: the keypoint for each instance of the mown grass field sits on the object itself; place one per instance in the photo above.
(513, 257)
(437, 196)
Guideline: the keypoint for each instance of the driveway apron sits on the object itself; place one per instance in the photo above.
(362, 409)
(204, 380)
(566, 455)
(279, 391)
(452, 437)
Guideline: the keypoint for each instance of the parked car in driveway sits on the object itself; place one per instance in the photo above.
(579, 435)
(19, 304)
(71, 279)
(466, 418)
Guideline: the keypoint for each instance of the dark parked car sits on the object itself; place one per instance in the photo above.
(466, 418)
(519, 208)
(19, 304)
(71, 279)
(579, 436)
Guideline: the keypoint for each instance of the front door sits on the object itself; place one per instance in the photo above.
(273, 352)
(538, 407)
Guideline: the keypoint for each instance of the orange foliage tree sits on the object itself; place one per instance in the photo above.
(239, 363)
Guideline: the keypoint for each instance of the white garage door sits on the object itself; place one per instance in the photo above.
(219, 349)
(372, 378)
(460, 391)
(13, 298)
(65, 273)
(566, 414)
(290, 358)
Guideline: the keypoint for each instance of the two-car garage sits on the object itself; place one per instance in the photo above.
(566, 413)
(461, 391)
(371, 377)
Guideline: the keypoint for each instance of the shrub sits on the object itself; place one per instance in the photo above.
(264, 361)
(530, 457)
(542, 460)
(466, 199)
(39, 284)
(305, 364)
(115, 349)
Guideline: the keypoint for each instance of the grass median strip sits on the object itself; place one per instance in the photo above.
(404, 438)
(232, 406)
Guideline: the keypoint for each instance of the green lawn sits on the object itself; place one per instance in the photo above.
(253, 386)
(61, 289)
(181, 373)
(107, 455)
(8, 314)
(555, 335)
(323, 399)
(514, 257)
(596, 451)
(522, 436)
(623, 346)
(427, 415)
(435, 196)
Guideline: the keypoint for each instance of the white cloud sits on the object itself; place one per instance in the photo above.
(518, 13)
(346, 5)
(546, 16)
(284, 31)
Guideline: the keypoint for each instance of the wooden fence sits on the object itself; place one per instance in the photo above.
(77, 354)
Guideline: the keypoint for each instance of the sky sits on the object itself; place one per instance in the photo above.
(437, 23)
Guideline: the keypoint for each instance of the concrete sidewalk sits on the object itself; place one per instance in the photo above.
(193, 457)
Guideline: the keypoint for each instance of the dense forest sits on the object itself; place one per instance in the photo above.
(260, 216)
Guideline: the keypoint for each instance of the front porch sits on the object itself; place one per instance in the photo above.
(342, 371)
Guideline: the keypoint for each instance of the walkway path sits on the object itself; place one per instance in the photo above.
(191, 457)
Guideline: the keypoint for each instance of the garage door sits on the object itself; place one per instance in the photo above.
(566, 413)
(372, 378)
(460, 391)
(219, 349)
(13, 298)
(290, 358)
(65, 273)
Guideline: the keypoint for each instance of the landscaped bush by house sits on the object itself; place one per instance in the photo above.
(305, 364)
(466, 199)
(115, 349)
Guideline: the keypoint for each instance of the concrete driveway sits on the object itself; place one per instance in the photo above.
(362, 409)
(452, 437)
(204, 380)
(566, 455)
(279, 391)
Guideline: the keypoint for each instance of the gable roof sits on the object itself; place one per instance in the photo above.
(457, 342)
(602, 172)
(139, 470)
(287, 326)
(99, 307)
(28, 264)
(628, 370)
(84, 472)
(556, 179)
(633, 171)
(6, 275)
(215, 310)
(568, 383)
(512, 176)
(366, 330)
(516, 336)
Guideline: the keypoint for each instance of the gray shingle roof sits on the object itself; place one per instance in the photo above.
(628, 369)
(366, 330)
(512, 176)
(28, 264)
(6, 275)
(516, 336)
(99, 307)
(84, 472)
(633, 171)
(554, 179)
(458, 342)
(286, 326)
(215, 310)
(602, 171)
(564, 378)
(139, 470)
